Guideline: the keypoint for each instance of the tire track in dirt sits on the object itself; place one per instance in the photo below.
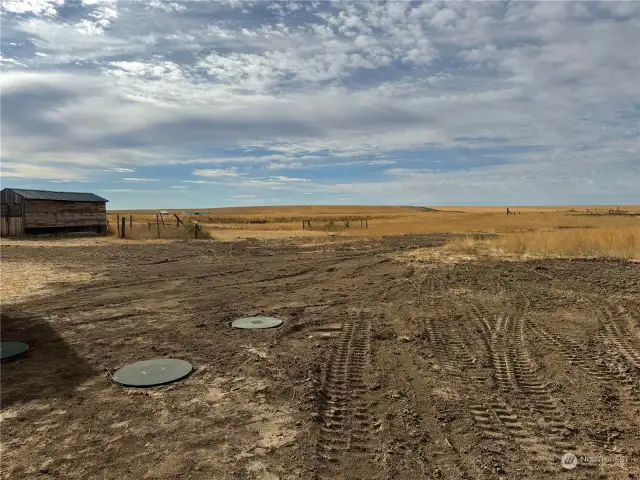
(446, 352)
(344, 436)
(588, 360)
(513, 405)
(502, 362)
(612, 321)
(608, 362)
(533, 389)
(496, 419)
(428, 284)
(419, 430)
(522, 398)
(484, 416)
(119, 293)
(613, 336)
(596, 361)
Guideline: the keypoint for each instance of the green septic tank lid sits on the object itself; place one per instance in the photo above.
(256, 322)
(12, 349)
(150, 373)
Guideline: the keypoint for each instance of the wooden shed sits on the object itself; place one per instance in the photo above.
(25, 212)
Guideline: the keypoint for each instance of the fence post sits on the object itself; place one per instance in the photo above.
(367, 223)
(195, 229)
(130, 224)
(158, 225)
(118, 225)
(303, 223)
(124, 224)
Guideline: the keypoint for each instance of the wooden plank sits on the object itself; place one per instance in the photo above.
(48, 206)
(18, 225)
(43, 220)
(11, 227)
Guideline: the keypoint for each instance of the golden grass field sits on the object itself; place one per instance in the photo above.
(533, 231)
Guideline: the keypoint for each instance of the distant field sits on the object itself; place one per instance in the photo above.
(376, 221)
(379, 220)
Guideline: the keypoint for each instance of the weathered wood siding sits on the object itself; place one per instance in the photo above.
(11, 227)
(46, 213)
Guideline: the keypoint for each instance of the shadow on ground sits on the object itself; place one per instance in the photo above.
(49, 369)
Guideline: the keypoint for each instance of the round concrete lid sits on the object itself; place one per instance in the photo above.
(150, 373)
(12, 349)
(256, 322)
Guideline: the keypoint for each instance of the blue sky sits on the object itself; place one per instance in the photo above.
(161, 104)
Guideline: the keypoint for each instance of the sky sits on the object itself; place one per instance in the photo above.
(176, 104)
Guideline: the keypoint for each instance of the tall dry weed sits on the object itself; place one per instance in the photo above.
(611, 242)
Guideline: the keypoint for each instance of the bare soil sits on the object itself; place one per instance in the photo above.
(382, 369)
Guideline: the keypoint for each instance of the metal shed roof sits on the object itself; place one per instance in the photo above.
(60, 196)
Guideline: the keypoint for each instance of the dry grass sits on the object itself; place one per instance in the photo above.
(607, 242)
(27, 279)
(389, 220)
(554, 208)
(531, 232)
(489, 222)
(615, 242)
(230, 235)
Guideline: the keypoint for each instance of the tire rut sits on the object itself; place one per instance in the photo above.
(523, 399)
(613, 336)
(604, 362)
(344, 436)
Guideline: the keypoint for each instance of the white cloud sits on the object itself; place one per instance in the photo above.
(121, 170)
(217, 172)
(259, 183)
(289, 179)
(285, 166)
(360, 84)
(35, 7)
(9, 169)
(177, 186)
(245, 196)
(406, 171)
(133, 179)
(226, 160)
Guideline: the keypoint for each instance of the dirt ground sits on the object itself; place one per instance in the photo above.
(384, 368)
